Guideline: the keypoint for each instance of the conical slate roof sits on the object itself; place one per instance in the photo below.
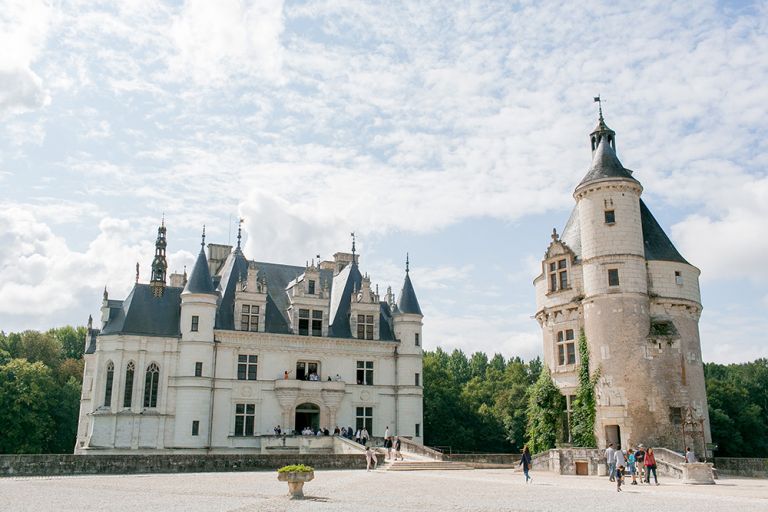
(408, 303)
(657, 244)
(605, 164)
(200, 278)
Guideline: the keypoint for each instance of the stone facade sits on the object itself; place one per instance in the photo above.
(615, 275)
(215, 363)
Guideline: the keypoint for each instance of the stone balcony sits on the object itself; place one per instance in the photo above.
(309, 386)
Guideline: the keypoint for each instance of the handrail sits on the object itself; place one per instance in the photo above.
(409, 446)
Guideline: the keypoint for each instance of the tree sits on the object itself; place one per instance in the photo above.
(545, 414)
(583, 415)
(71, 340)
(459, 366)
(478, 363)
(38, 346)
(28, 394)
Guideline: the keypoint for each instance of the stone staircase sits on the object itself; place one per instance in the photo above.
(423, 465)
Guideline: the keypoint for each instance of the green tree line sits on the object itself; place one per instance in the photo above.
(471, 403)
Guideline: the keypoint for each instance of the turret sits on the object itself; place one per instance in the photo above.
(159, 264)
(198, 301)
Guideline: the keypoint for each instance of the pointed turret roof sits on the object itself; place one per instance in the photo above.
(344, 284)
(657, 244)
(408, 302)
(200, 278)
(605, 164)
(234, 269)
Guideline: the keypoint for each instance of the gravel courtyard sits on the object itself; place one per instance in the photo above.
(362, 491)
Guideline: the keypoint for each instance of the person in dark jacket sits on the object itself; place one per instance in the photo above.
(525, 461)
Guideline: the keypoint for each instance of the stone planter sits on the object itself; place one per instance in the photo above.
(296, 481)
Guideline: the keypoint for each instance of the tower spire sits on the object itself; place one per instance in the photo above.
(202, 242)
(407, 263)
(159, 264)
(352, 234)
(601, 131)
(239, 232)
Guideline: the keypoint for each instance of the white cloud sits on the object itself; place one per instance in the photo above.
(216, 40)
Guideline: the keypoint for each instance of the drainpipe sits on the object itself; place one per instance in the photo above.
(213, 394)
(397, 393)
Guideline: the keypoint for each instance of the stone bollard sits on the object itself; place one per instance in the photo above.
(698, 473)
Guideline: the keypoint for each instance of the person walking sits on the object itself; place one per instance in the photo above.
(388, 442)
(358, 438)
(690, 457)
(650, 466)
(370, 458)
(640, 459)
(631, 465)
(397, 449)
(364, 436)
(619, 477)
(610, 459)
(618, 458)
(526, 461)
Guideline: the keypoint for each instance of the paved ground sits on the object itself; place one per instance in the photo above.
(477, 490)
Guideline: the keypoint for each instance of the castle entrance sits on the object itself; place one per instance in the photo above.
(612, 435)
(307, 415)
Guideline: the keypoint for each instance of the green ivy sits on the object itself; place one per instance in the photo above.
(545, 414)
(583, 415)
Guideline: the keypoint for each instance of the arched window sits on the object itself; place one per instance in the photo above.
(128, 396)
(151, 382)
(108, 386)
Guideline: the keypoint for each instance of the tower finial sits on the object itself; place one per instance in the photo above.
(352, 234)
(239, 232)
(137, 271)
(407, 263)
(600, 107)
(555, 236)
(162, 220)
(202, 243)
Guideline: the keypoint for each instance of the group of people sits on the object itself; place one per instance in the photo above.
(390, 442)
(640, 461)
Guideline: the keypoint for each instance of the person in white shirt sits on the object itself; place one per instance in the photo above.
(618, 458)
(610, 459)
(690, 457)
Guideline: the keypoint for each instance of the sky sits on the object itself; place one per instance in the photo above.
(454, 131)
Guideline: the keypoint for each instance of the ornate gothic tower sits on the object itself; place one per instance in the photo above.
(159, 264)
(615, 275)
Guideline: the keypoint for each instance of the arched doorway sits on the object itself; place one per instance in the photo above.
(307, 415)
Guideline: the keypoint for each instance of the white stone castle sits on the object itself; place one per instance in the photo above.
(614, 274)
(214, 363)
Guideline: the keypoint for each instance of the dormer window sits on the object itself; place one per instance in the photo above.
(365, 327)
(311, 287)
(310, 318)
(558, 275)
(249, 318)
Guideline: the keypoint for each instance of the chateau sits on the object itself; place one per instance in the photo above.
(615, 275)
(216, 361)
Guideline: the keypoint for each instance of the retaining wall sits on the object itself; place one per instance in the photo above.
(54, 464)
(738, 466)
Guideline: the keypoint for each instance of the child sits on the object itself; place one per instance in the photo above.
(631, 461)
(619, 477)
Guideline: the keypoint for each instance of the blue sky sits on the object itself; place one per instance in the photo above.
(452, 130)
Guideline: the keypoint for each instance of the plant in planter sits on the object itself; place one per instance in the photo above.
(296, 475)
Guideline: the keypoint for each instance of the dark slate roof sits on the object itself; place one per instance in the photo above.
(408, 302)
(90, 340)
(385, 322)
(143, 313)
(234, 269)
(657, 244)
(572, 232)
(344, 284)
(605, 164)
(200, 279)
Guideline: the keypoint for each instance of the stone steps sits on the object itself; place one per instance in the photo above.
(433, 465)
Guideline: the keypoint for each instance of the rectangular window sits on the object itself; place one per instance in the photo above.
(245, 418)
(563, 280)
(249, 318)
(676, 415)
(317, 323)
(416, 340)
(365, 327)
(558, 275)
(365, 373)
(195, 428)
(418, 430)
(610, 217)
(309, 318)
(417, 380)
(553, 282)
(195, 323)
(364, 419)
(307, 370)
(303, 322)
(198, 369)
(311, 287)
(678, 278)
(613, 277)
(246, 366)
(566, 347)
